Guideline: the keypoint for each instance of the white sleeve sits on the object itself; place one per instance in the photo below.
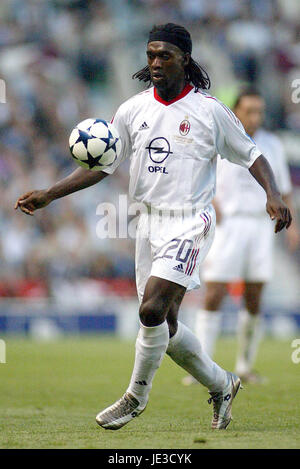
(232, 142)
(283, 176)
(120, 122)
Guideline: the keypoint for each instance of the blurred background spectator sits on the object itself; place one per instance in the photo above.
(66, 60)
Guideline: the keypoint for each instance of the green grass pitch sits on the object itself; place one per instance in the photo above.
(51, 392)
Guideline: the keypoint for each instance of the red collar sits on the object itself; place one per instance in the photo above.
(183, 93)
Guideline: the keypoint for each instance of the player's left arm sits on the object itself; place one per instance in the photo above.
(235, 145)
(276, 208)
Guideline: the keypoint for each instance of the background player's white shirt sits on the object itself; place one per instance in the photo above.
(238, 192)
(173, 147)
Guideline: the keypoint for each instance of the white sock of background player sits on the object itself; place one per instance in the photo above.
(207, 329)
(249, 335)
(151, 345)
(185, 349)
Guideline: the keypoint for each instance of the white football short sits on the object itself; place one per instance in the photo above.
(172, 247)
(242, 250)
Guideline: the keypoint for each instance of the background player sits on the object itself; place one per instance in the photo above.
(243, 245)
(168, 257)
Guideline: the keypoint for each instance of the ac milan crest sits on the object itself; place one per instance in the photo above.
(184, 127)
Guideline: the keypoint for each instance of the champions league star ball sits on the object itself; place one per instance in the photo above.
(94, 144)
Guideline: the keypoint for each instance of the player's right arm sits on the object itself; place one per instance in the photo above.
(80, 179)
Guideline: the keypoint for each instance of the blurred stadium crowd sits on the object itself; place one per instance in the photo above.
(65, 60)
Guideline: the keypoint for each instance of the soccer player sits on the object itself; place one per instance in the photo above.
(243, 245)
(172, 133)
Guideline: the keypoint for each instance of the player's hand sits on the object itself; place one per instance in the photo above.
(280, 212)
(32, 200)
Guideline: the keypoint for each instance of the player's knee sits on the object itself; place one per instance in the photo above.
(211, 300)
(214, 296)
(252, 297)
(252, 307)
(151, 313)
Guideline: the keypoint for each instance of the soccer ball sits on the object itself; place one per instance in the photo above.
(94, 144)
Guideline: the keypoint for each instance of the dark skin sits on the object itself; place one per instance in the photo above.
(166, 63)
(162, 298)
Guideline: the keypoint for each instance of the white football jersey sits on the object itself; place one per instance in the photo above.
(173, 147)
(238, 192)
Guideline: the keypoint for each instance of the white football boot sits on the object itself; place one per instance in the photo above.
(120, 413)
(222, 402)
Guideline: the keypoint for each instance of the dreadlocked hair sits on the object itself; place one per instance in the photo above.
(194, 73)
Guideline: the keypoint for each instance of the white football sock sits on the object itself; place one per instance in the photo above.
(151, 345)
(249, 335)
(185, 349)
(207, 329)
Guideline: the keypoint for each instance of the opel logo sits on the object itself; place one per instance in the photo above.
(159, 149)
